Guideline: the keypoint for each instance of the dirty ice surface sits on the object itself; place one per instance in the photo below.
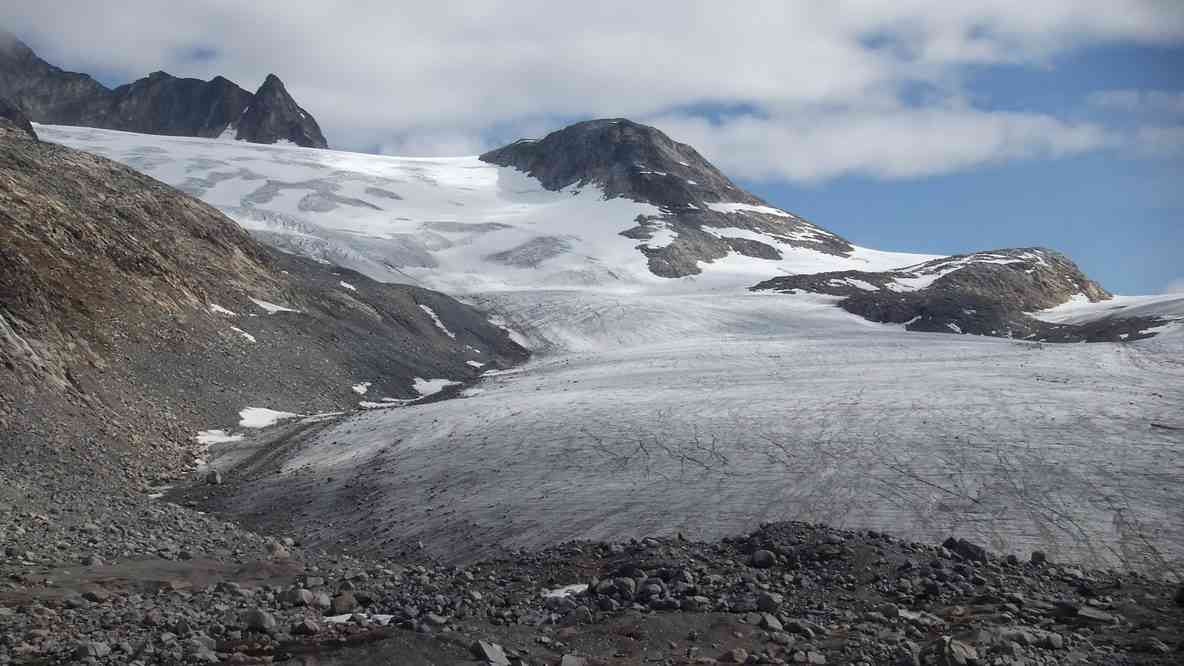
(701, 415)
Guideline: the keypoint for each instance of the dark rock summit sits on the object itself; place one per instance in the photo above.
(625, 159)
(157, 104)
(164, 104)
(637, 162)
(274, 116)
(985, 293)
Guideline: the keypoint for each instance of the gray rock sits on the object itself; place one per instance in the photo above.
(769, 601)
(214, 477)
(277, 551)
(97, 595)
(946, 651)
(489, 653)
(297, 597)
(770, 622)
(259, 620)
(343, 603)
(763, 559)
(305, 627)
(734, 656)
(91, 649)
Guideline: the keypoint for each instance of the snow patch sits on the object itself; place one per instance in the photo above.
(262, 417)
(436, 320)
(248, 336)
(271, 308)
(347, 285)
(218, 309)
(426, 387)
(475, 364)
(216, 437)
(361, 388)
(746, 208)
(566, 591)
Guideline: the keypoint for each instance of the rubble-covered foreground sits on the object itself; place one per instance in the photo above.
(138, 582)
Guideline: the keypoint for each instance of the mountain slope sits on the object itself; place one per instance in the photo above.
(157, 104)
(138, 314)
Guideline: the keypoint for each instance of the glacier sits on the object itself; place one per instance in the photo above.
(690, 405)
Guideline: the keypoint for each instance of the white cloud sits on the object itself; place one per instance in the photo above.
(900, 143)
(432, 78)
(1158, 141)
(1139, 101)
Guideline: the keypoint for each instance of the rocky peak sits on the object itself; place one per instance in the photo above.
(159, 103)
(634, 161)
(626, 159)
(274, 116)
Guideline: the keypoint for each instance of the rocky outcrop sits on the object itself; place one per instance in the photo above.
(139, 315)
(16, 118)
(985, 293)
(157, 104)
(640, 163)
(274, 116)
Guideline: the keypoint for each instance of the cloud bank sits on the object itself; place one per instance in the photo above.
(799, 91)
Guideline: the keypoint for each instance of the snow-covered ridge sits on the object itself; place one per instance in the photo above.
(454, 224)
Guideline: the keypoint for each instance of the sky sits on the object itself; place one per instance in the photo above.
(939, 127)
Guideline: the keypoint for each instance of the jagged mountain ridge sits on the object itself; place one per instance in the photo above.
(135, 313)
(156, 104)
(984, 293)
(638, 162)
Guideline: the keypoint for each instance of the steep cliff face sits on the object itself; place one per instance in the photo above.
(156, 104)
